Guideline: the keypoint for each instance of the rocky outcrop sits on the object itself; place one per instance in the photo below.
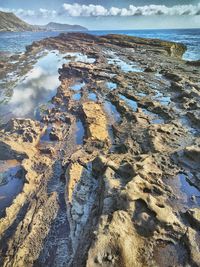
(173, 49)
(111, 172)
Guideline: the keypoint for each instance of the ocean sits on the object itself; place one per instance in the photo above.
(16, 42)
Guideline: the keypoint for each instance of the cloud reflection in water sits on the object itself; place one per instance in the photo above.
(39, 86)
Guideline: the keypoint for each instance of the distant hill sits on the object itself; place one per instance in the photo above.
(10, 22)
(52, 26)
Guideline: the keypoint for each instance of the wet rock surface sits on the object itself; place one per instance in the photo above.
(109, 171)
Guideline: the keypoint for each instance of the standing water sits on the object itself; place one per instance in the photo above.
(35, 89)
(11, 182)
(79, 132)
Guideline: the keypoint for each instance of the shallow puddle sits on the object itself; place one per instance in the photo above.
(79, 57)
(164, 100)
(131, 103)
(111, 86)
(38, 87)
(164, 250)
(123, 65)
(154, 118)
(41, 110)
(11, 182)
(46, 136)
(112, 111)
(77, 86)
(141, 94)
(157, 121)
(158, 75)
(186, 123)
(185, 194)
(76, 97)
(80, 132)
(92, 97)
(192, 193)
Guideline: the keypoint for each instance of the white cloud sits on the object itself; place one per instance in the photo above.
(19, 11)
(45, 13)
(42, 12)
(77, 10)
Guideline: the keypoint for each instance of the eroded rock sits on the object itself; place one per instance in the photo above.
(112, 198)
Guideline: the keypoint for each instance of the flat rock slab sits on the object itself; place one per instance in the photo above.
(96, 122)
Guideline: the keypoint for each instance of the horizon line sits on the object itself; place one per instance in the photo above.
(136, 29)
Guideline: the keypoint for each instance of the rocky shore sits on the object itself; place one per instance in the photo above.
(110, 171)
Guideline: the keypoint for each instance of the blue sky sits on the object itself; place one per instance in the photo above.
(107, 14)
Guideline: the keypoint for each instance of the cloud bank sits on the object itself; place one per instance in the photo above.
(42, 12)
(78, 10)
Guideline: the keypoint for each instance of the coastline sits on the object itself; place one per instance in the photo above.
(186, 36)
(109, 166)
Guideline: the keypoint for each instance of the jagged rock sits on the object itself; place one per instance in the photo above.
(116, 243)
(28, 130)
(80, 199)
(56, 134)
(122, 202)
(192, 241)
(19, 138)
(194, 63)
(194, 116)
(194, 217)
(7, 152)
(28, 250)
(166, 137)
(172, 76)
(193, 152)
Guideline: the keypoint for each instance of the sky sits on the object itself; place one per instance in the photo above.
(109, 14)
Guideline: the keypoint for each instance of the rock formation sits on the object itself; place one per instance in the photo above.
(117, 183)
